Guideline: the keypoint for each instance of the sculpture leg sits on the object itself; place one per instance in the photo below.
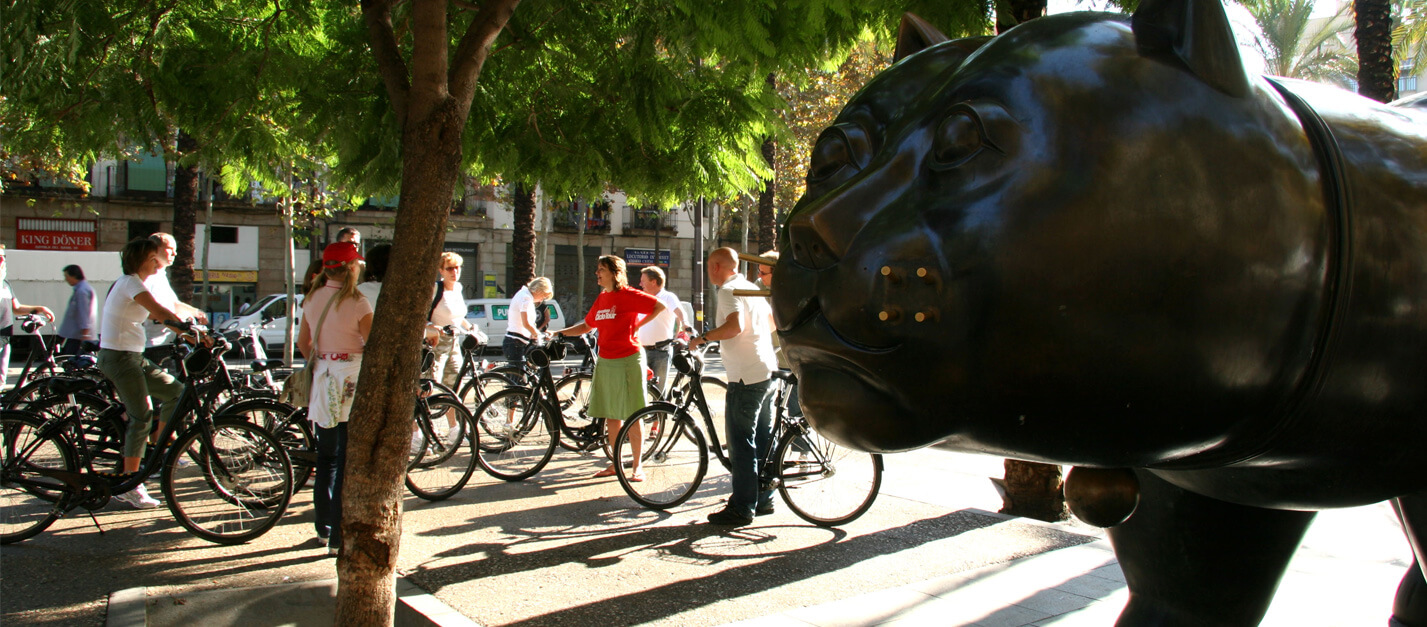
(1409, 608)
(1191, 560)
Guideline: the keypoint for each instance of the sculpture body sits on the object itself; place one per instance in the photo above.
(1096, 241)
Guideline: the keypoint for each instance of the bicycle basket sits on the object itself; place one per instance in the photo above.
(199, 362)
(687, 363)
(558, 350)
(538, 357)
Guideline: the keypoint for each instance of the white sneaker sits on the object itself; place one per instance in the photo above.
(418, 442)
(138, 498)
(453, 437)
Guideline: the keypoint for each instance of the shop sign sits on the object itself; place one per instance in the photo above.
(641, 257)
(228, 276)
(55, 234)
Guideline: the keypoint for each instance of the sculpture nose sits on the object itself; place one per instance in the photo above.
(810, 250)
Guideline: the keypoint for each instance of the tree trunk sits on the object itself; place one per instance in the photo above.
(523, 236)
(1012, 12)
(1033, 490)
(1029, 489)
(380, 425)
(1377, 73)
(185, 219)
(767, 235)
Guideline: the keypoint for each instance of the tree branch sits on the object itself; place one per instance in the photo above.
(387, 53)
(474, 49)
(430, 47)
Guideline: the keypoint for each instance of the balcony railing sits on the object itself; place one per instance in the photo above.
(567, 220)
(650, 220)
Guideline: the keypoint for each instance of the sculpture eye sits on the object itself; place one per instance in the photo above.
(959, 138)
(830, 155)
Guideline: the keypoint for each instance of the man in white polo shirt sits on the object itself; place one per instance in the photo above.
(745, 328)
(657, 337)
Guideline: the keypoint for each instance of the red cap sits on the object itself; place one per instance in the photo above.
(339, 253)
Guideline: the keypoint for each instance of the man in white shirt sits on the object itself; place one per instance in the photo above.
(657, 337)
(162, 292)
(745, 328)
(520, 331)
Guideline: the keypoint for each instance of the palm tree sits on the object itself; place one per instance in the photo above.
(1377, 73)
(1295, 45)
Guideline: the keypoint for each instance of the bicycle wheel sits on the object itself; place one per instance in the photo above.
(239, 487)
(477, 390)
(438, 470)
(289, 425)
(716, 393)
(674, 461)
(31, 500)
(578, 431)
(517, 437)
(823, 482)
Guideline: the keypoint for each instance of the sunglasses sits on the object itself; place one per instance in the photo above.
(452, 268)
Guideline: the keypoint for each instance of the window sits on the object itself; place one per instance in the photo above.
(1406, 84)
(479, 311)
(141, 228)
(224, 235)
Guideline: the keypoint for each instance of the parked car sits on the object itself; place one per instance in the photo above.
(491, 316)
(271, 312)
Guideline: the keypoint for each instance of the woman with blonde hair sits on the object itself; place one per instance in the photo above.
(334, 341)
(617, 389)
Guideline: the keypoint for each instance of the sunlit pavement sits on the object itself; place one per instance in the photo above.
(566, 549)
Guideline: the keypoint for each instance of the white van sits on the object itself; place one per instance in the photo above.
(273, 309)
(491, 316)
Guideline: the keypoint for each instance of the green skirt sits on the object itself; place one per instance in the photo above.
(618, 387)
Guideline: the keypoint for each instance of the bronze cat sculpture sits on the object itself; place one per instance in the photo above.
(1095, 240)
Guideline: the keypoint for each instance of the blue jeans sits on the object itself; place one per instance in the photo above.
(748, 421)
(327, 492)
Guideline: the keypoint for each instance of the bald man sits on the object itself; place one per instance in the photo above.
(745, 328)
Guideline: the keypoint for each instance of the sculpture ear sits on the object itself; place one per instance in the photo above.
(915, 35)
(1195, 36)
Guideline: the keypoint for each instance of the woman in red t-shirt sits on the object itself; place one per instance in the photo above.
(617, 389)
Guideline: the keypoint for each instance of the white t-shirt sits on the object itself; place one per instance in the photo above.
(523, 302)
(162, 292)
(121, 329)
(747, 357)
(370, 289)
(662, 328)
(451, 309)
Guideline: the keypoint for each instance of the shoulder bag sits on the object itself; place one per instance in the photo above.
(297, 389)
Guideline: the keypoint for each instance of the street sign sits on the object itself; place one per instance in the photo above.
(636, 258)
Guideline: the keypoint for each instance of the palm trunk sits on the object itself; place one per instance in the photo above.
(767, 234)
(1377, 74)
(523, 237)
(185, 220)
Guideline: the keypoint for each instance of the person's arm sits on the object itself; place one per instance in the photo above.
(21, 309)
(658, 309)
(731, 327)
(527, 324)
(189, 311)
(578, 329)
(86, 314)
(679, 318)
(364, 327)
(156, 311)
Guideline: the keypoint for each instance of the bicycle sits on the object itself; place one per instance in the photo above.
(43, 362)
(225, 479)
(822, 482)
(519, 425)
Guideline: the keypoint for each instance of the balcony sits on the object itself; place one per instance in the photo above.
(649, 220)
(566, 220)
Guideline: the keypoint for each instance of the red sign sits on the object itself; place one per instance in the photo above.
(55, 234)
(54, 240)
